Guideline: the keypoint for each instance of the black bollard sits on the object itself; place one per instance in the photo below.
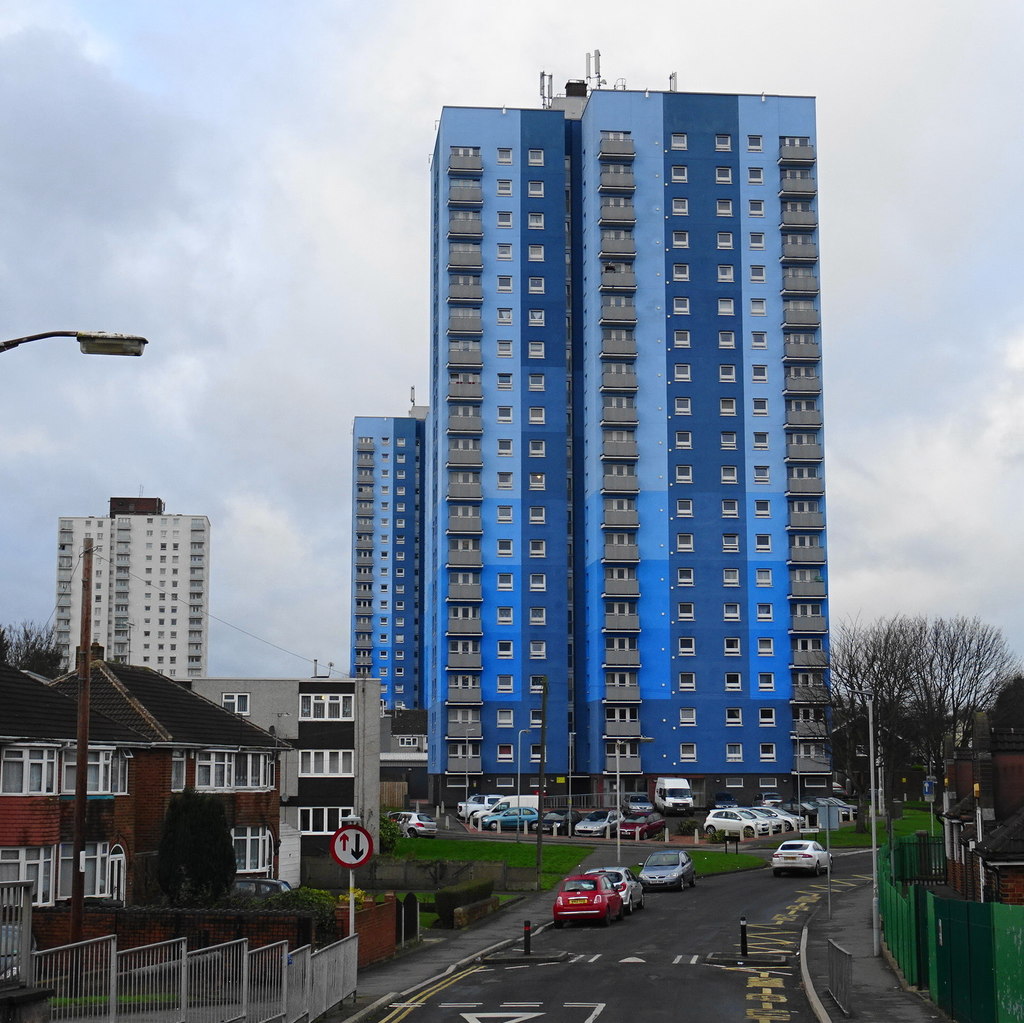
(526, 937)
(743, 935)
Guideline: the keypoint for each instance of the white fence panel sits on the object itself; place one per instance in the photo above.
(217, 979)
(15, 934)
(334, 975)
(300, 973)
(151, 983)
(268, 983)
(83, 977)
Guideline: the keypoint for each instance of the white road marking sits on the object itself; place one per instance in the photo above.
(632, 959)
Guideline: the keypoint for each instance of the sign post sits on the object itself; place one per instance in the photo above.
(929, 795)
(351, 847)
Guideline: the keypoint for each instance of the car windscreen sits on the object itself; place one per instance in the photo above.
(597, 815)
(662, 860)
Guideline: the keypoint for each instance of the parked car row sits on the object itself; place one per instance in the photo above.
(606, 894)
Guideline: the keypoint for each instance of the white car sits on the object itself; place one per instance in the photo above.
(801, 855)
(474, 803)
(626, 884)
(789, 821)
(736, 821)
(598, 823)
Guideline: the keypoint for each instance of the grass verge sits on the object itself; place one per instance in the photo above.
(848, 837)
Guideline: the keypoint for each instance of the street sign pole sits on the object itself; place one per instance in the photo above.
(351, 902)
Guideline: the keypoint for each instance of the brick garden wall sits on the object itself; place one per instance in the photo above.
(375, 925)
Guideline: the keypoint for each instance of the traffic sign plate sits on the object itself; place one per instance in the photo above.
(351, 846)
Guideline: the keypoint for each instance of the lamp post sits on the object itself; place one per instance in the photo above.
(90, 342)
(519, 772)
(876, 933)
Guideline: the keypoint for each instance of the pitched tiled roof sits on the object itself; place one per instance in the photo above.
(166, 711)
(1005, 840)
(33, 709)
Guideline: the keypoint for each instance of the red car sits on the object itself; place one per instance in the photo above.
(642, 825)
(587, 897)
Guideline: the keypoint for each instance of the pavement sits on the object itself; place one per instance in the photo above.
(877, 990)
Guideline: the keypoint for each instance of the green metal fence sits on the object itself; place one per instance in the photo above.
(967, 955)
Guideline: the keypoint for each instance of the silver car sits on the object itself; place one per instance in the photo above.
(626, 884)
(670, 868)
(599, 822)
(736, 821)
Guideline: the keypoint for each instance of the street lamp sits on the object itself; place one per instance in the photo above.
(619, 743)
(91, 342)
(876, 934)
(519, 774)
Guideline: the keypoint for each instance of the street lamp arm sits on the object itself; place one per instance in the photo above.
(91, 342)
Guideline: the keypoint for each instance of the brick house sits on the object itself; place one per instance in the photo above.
(983, 823)
(149, 737)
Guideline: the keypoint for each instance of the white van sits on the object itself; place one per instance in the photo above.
(506, 802)
(673, 795)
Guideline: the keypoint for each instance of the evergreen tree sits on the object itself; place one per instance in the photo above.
(196, 858)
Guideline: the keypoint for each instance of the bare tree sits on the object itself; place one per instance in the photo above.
(31, 647)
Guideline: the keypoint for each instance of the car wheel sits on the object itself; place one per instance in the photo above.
(558, 924)
(777, 873)
(748, 832)
(622, 912)
(627, 908)
(817, 869)
(711, 831)
(640, 904)
(693, 880)
(606, 920)
(493, 826)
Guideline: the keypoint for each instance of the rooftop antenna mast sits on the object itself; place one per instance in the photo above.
(672, 79)
(545, 90)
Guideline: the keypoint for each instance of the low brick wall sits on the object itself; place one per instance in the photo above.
(466, 915)
(145, 925)
(375, 925)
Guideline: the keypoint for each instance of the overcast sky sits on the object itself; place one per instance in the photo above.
(245, 182)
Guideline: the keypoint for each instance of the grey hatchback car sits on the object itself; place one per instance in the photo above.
(669, 868)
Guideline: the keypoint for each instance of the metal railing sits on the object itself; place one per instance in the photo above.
(167, 983)
(15, 934)
(840, 975)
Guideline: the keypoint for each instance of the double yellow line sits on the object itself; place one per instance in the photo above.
(402, 1011)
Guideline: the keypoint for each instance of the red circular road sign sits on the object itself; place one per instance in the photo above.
(351, 846)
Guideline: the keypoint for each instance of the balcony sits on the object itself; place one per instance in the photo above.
(802, 350)
(625, 517)
(464, 661)
(463, 765)
(365, 445)
(807, 555)
(805, 452)
(806, 520)
(465, 524)
(797, 187)
(802, 385)
(463, 730)
(618, 316)
(613, 149)
(364, 545)
(464, 627)
(803, 728)
(621, 588)
(807, 589)
(613, 347)
(800, 317)
(622, 623)
(803, 417)
(619, 381)
(809, 623)
(614, 415)
(465, 195)
(796, 154)
(465, 424)
(622, 658)
(621, 552)
(460, 259)
(463, 227)
(463, 694)
(458, 456)
(803, 693)
(621, 730)
(805, 485)
(812, 765)
(618, 280)
(464, 559)
(611, 247)
(799, 218)
(620, 484)
(364, 661)
(364, 644)
(465, 491)
(465, 591)
(465, 163)
(799, 285)
(803, 250)
(809, 659)
(617, 182)
(617, 215)
(465, 293)
(623, 764)
(459, 389)
(620, 449)
(622, 694)
(465, 322)
(459, 358)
